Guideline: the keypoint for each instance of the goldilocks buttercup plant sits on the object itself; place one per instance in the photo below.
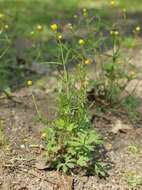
(70, 138)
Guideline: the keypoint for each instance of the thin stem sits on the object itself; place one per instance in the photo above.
(36, 107)
(64, 67)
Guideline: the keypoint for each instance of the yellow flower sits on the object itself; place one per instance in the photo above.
(1, 15)
(54, 27)
(81, 42)
(43, 135)
(116, 33)
(112, 3)
(39, 28)
(84, 10)
(60, 37)
(112, 32)
(85, 13)
(88, 61)
(6, 26)
(138, 29)
(29, 82)
(108, 146)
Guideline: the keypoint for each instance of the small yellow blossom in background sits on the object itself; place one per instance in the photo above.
(29, 82)
(60, 37)
(1, 15)
(43, 135)
(116, 33)
(85, 12)
(6, 26)
(81, 42)
(112, 3)
(54, 27)
(108, 146)
(138, 29)
(112, 32)
(39, 28)
(88, 61)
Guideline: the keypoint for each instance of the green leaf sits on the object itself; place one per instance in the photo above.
(71, 165)
(108, 67)
(65, 168)
(71, 127)
(59, 166)
(99, 169)
(82, 161)
(93, 137)
(60, 123)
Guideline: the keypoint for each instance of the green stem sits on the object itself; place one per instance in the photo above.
(36, 107)
(64, 68)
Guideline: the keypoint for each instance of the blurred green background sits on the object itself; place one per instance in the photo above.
(31, 12)
(23, 17)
